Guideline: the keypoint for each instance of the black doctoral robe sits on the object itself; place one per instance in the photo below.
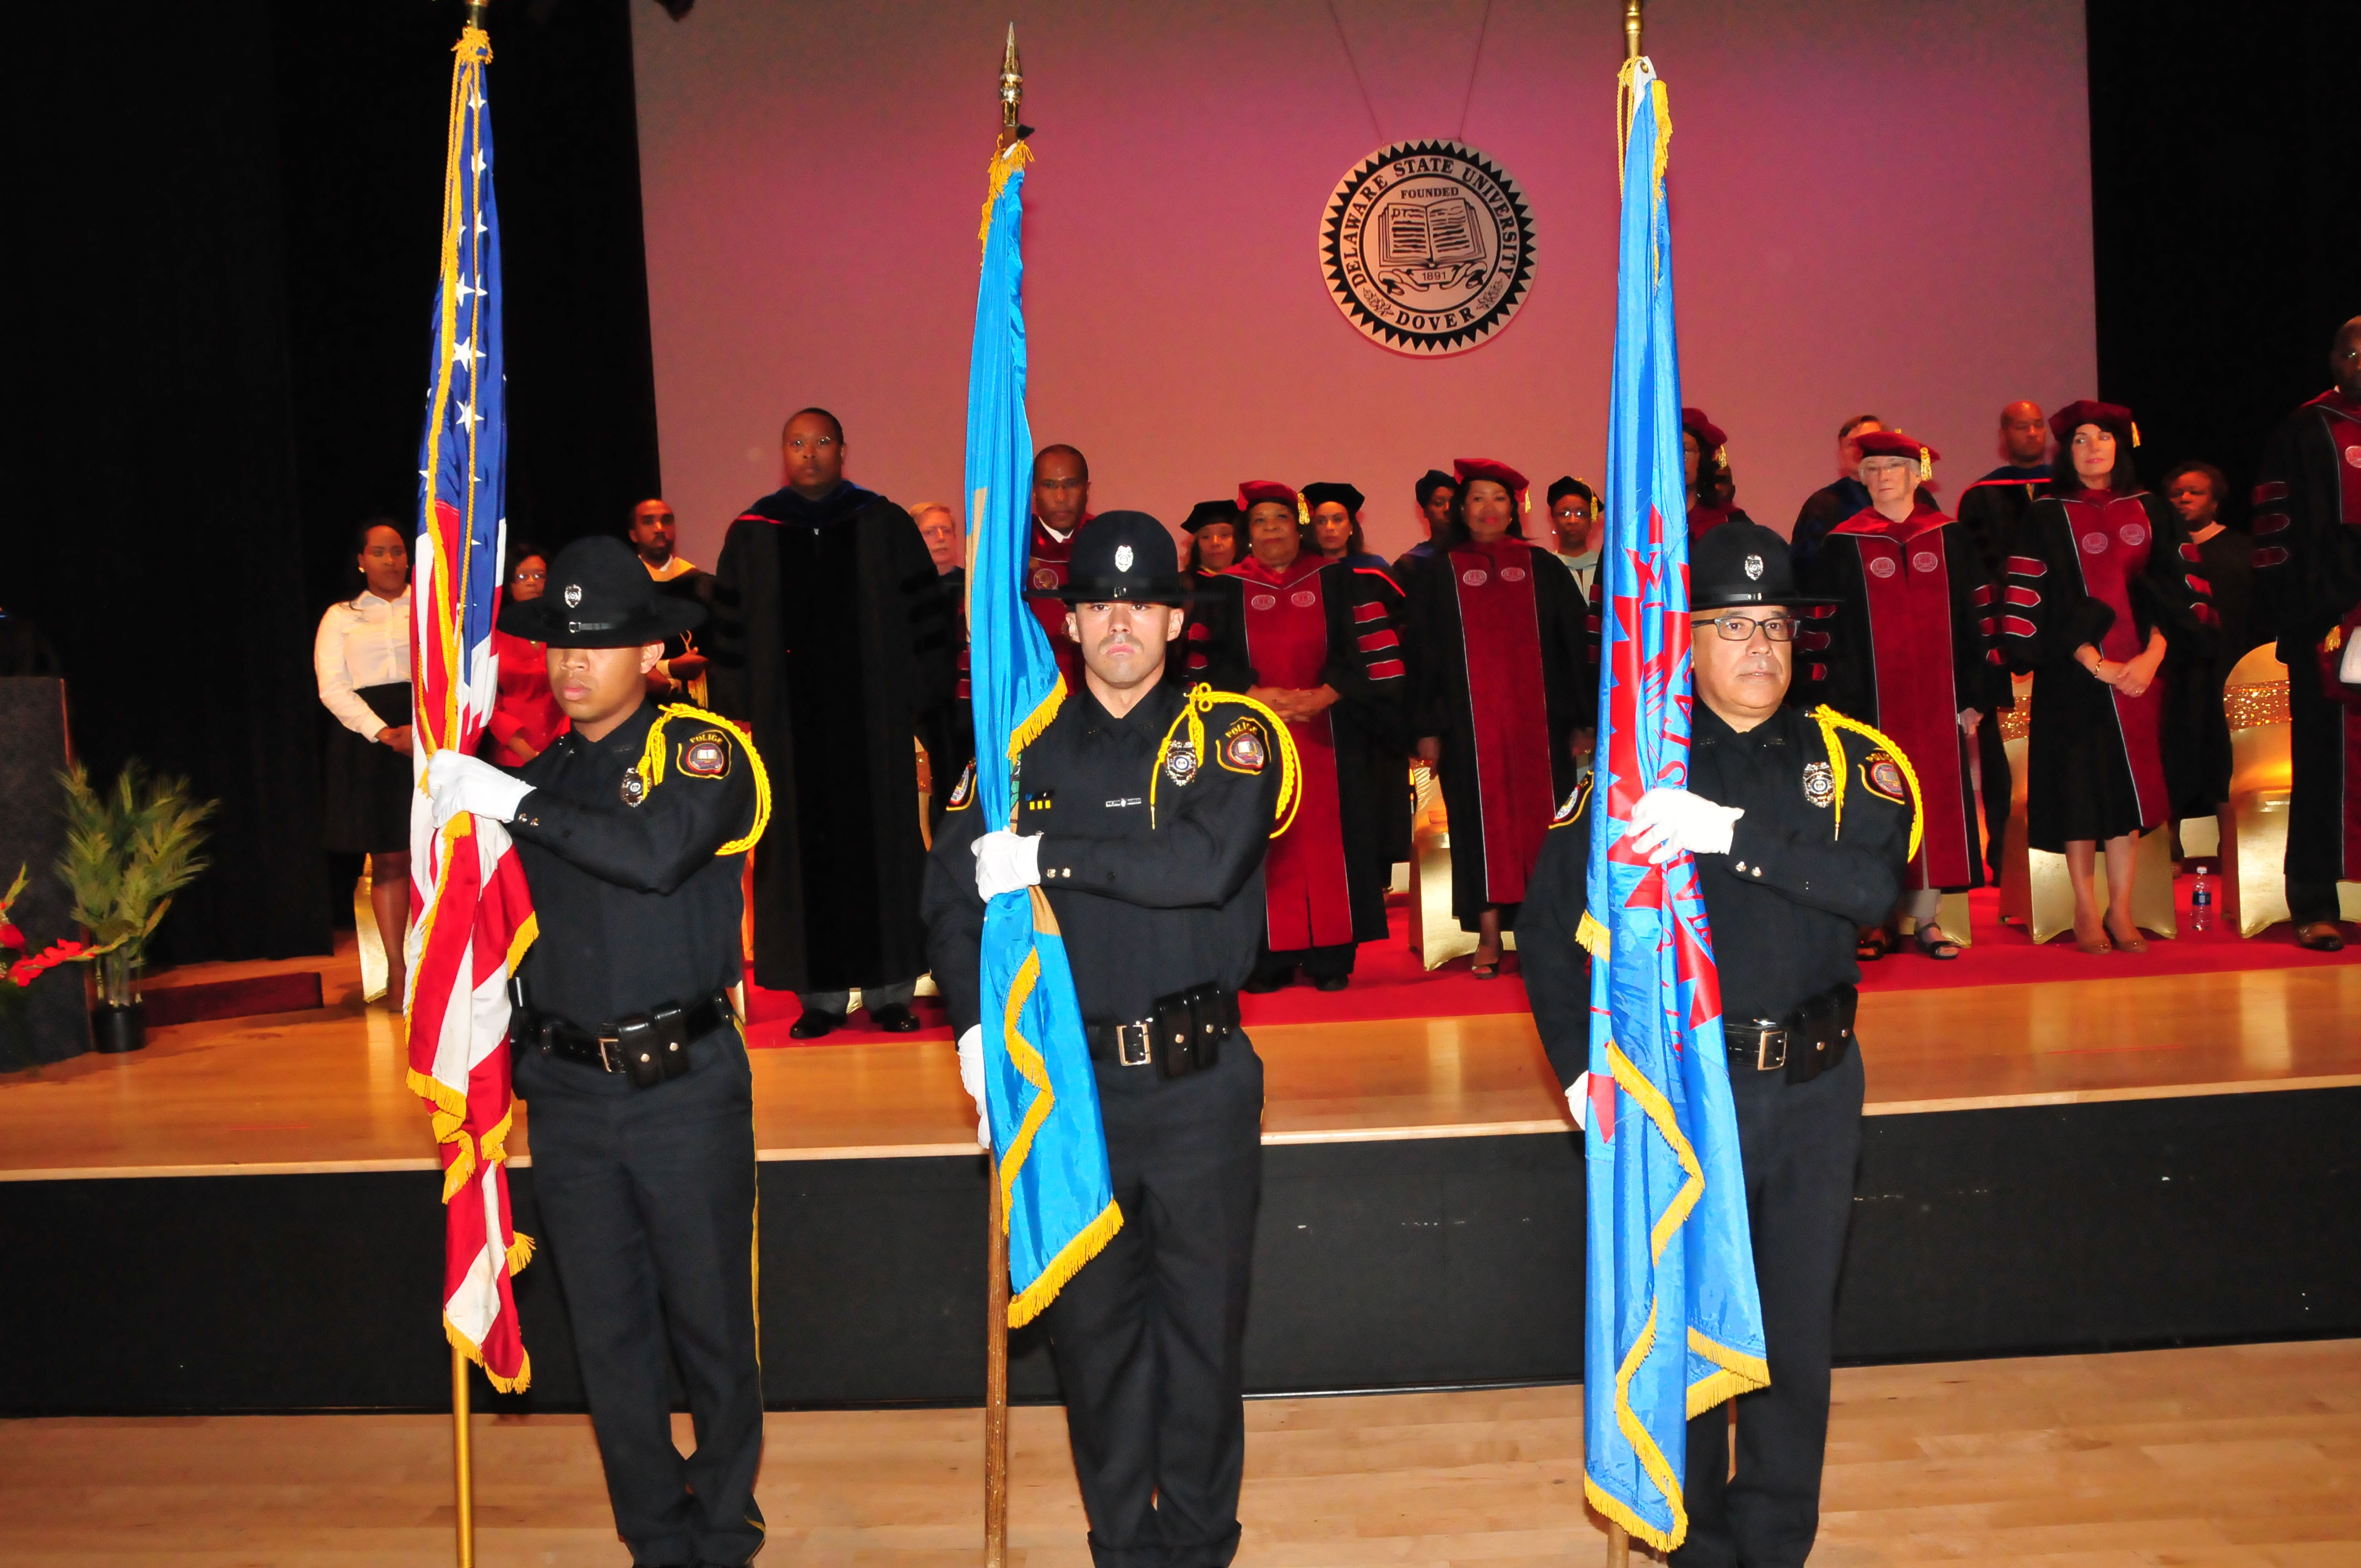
(832, 640)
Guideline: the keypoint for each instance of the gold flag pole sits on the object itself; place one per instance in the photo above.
(996, 1295)
(1619, 1540)
(463, 1455)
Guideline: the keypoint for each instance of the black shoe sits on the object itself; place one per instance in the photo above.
(1263, 985)
(895, 1018)
(815, 1022)
(1335, 981)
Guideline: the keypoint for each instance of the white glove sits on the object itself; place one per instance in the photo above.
(1668, 822)
(971, 1055)
(2348, 669)
(1577, 1100)
(458, 782)
(1005, 862)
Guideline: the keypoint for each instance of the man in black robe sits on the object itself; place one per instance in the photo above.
(1436, 492)
(2308, 590)
(831, 641)
(1991, 513)
(948, 734)
(1832, 504)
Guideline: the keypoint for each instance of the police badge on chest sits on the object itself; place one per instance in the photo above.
(1820, 784)
(1181, 763)
(633, 788)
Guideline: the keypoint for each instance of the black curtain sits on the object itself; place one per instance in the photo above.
(2225, 222)
(224, 274)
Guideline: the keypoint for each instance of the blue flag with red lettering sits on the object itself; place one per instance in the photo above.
(1672, 1323)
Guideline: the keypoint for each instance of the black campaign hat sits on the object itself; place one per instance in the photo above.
(598, 595)
(1121, 556)
(1739, 564)
(1225, 510)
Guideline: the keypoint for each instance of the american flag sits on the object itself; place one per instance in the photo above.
(470, 916)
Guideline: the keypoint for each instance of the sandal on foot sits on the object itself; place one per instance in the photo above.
(1940, 948)
(1868, 946)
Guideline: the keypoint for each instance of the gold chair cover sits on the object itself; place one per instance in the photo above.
(2254, 863)
(1434, 935)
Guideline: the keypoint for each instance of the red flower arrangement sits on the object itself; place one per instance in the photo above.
(22, 971)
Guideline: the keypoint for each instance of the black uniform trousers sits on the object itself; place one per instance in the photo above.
(647, 1202)
(1800, 1145)
(1147, 1337)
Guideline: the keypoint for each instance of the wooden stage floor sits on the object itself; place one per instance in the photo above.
(2199, 1458)
(323, 1091)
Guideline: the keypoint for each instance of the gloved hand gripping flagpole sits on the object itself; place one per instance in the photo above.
(996, 1295)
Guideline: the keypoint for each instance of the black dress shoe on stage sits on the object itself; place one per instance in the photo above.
(815, 1022)
(895, 1018)
(1335, 981)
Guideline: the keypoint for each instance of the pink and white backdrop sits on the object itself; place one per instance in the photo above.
(1877, 207)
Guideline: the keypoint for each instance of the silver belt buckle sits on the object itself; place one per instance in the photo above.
(1764, 1061)
(1124, 1036)
(605, 1063)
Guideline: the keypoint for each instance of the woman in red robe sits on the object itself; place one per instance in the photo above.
(2097, 589)
(1327, 659)
(525, 717)
(1503, 685)
(1906, 653)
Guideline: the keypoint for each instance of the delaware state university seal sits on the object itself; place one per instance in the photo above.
(1427, 248)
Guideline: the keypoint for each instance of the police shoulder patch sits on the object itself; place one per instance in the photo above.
(1246, 747)
(1572, 810)
(963, 792)
(705, 755)
(1883, 775)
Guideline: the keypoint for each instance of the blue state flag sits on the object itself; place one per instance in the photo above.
(1672, 1323)
(1058, 1199)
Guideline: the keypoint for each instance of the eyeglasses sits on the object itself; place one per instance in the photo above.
(521, 576)
(1739, 627)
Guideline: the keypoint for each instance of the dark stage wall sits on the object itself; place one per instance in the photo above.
(1422, 1262)
(224, 282)
(223, 279)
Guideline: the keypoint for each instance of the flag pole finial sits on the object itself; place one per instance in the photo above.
(1011, 94)
(1635, 22)
(474, 14)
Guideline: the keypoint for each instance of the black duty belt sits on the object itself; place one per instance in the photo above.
(1182, 1036)
(648, 1048)
(1811, 1039)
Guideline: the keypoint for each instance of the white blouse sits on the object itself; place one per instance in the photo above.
(364, 643)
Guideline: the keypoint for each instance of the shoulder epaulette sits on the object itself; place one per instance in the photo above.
(1884, 753)
(963, 792)
(697, 763)
(1572, 810)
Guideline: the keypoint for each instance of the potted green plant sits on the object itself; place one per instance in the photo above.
(129, 850)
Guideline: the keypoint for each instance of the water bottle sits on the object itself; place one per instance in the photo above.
(2200, 905)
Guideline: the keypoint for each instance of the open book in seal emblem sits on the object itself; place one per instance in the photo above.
(1427, 248)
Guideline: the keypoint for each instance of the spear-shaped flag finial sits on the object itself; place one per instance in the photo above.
(1012, 82)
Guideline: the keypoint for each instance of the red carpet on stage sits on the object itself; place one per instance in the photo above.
(1388, 982)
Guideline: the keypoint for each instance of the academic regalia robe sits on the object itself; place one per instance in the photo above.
(1045, 567)
(2196, 730)
(1504, 682)
(1384, 754)
(2105, 569)
(2308, 594)
(831, 641)
(1905, 653)
(1212, 646)
(1319, 623)
(949, 733)
(1991, 512)
(1822, 510)
(1703, 517)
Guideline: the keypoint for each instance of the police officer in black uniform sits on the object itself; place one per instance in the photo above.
(632, 829)
(1802, 824)
(1143, 814)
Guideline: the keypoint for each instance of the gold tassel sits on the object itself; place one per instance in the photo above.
(2136, 433)
(1926, 466)
(1303, 512)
